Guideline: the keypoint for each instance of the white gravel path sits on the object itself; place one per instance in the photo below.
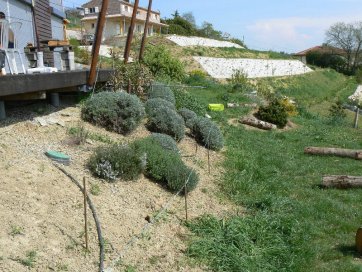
(357, 96)
(197, 41)
(222, 68)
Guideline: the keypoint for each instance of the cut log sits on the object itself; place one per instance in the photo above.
(340, 152)
(253, 121)
(342, 182)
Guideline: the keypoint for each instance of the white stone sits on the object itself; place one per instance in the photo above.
(197, 41)
(222, 68)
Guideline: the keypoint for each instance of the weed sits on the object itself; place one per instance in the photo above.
(16, 230)
(95, 189)
(30, 259)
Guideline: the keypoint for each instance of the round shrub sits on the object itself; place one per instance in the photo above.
(188, 116)
(120, 112)
(167, 121)
(117, 161)
(185, 100)
(165, 141)
(274, 113)
(158, 159)
(154, 104)
(207, 133)
(165, 166)
(178, 174)
(161, 91)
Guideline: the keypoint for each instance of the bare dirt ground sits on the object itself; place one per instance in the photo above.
(42, 210)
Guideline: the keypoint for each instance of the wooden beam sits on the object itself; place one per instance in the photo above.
(340, 152)
(21, 84)
(97, 42)
(127, 50)
(145, 32)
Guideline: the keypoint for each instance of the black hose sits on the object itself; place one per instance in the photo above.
(98, 224)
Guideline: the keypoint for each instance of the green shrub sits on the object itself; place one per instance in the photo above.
(185, 100)
(120, 112)
(189, 117)
(336, 112)
(165, 141)
(136, 74)
(178, 174)
(162, 65)
(155, 104)
(274, 113)
(158, 159)
(207, 133)
(359, 76)
(167, 121)
(165, 166)
(161, 91)
(116, 161)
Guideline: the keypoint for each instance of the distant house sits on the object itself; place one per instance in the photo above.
(323, 49)
(118, 18)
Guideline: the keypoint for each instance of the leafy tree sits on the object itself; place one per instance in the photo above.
(349, 38)
(325, 60)
(176, 14)
(189, 16)
(207, 30)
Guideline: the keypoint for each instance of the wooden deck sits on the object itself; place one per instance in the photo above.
(25, 84)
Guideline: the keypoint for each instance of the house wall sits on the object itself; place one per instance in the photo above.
(18, 11)
(117, 26)
(57, 28)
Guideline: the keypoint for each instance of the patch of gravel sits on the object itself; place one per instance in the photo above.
(41, 201)
(222, 68)
(197, 41)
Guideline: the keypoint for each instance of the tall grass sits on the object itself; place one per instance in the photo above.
(291, 224)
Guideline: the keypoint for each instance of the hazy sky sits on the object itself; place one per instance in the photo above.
(281, 25)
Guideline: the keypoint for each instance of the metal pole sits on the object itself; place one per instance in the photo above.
(143, 43)
(97, 42)
(130, 32)
(85, 215)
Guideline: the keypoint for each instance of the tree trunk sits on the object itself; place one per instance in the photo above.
(252, 121)
(350, 153)
(342, 182)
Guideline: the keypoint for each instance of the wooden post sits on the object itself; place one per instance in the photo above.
(97, 43)
(186, 200)
(359, 241)
(340, 152)
(85, 215)
(208, 158)
(127, 50)
(143, 43)
(356, 118)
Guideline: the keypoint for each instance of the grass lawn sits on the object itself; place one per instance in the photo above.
(291, 224)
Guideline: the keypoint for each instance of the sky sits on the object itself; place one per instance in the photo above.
(279, 25)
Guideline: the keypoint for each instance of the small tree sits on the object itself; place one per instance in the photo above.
(349, 38)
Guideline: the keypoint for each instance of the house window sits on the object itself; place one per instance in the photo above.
(126, 8)
(92, 10)
(138, 13)
(93, 25)
(139, 28)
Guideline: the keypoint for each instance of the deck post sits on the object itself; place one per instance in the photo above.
(2, 110)
(54, 99)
